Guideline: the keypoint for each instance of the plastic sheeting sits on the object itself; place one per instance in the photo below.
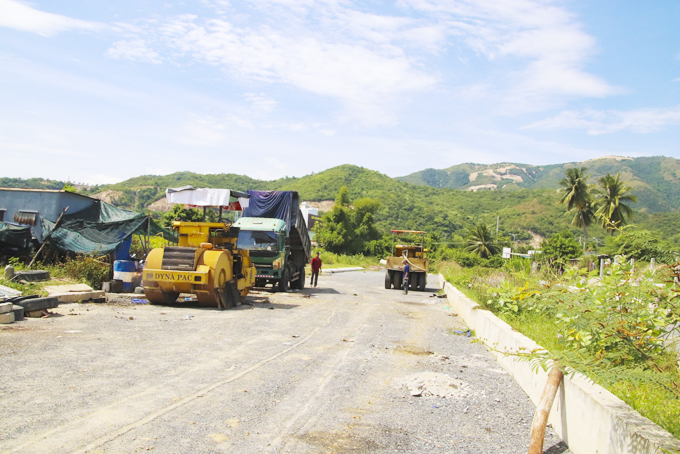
(271, 204)
(99, 230)
(203, 197)
(15, 235)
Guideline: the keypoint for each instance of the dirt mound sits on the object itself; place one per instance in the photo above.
(323, 205)
(160, 205)
(107, 196)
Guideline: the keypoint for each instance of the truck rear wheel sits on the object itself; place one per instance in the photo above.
(422, 282)
(301, 280)
(388, 280)
(396, 279)
(284, 282)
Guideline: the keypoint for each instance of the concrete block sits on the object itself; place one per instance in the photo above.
(59, 289)
(5, 308)
(74, 297)
(6, 318)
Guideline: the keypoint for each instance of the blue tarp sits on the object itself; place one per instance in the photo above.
(271, 204)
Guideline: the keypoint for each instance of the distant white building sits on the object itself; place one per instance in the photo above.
(310, 214)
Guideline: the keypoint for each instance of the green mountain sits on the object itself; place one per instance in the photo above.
(523, 206)
(656, 180)
(404, 205)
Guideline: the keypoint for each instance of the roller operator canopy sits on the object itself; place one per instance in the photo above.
(208, 197)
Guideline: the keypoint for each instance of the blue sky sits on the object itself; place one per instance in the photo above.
(101, 91)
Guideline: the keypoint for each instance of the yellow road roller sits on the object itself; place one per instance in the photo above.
(206, 261)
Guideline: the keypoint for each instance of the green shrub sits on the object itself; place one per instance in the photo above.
(561, 246)
(87, 269)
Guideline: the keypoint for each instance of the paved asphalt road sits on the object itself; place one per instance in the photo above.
(324, 370)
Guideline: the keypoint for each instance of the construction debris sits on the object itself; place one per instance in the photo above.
(73, 293)
(429, 384)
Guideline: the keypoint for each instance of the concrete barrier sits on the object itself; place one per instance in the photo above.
(589, 419)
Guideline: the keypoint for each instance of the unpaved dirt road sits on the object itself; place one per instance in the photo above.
(319, 371)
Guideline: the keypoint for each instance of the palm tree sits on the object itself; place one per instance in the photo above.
(481, 241)
(576, 194)
(610, 198)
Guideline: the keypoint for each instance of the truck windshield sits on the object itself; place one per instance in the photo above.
(257, 240)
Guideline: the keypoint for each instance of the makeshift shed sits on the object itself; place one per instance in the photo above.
(99, 229)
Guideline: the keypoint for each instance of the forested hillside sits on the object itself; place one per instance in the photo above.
(655, 180)
(403, 205)
(30, 183)
(443, 210)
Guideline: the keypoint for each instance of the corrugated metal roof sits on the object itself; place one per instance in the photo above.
(6, 292)
(26, 217)
(47, 190)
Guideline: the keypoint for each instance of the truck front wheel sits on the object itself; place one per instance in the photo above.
(388, 280)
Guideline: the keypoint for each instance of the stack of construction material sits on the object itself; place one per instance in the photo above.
(6, 313)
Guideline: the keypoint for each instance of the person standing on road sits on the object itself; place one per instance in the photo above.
(316, 267)
(407, 272)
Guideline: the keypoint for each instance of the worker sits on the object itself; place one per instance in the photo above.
(407, 272)
(316, 267)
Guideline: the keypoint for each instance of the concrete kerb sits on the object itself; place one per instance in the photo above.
(341, 270)
(589, 419)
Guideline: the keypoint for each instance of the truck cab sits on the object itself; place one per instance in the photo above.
(273, 230)
(265, 239)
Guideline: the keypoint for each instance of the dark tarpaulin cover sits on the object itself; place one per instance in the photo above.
(99, 229)
(15, 235)
(271, 204)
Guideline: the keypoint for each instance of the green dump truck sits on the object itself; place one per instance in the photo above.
(273, 229)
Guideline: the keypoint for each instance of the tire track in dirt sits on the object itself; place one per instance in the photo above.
(81, 427)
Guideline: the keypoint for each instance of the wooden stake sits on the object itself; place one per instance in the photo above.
(56, 225)
(543, 410)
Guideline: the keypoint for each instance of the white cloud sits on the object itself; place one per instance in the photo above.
(135, 49)
(261, 102)
(19, 16)
(545, 41)
(363, 78)
(595, 122)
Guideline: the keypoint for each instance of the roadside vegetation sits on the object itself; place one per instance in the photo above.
(621, 331)
(620, 328)
(80, 269)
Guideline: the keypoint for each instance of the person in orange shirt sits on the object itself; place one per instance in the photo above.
(316, 267)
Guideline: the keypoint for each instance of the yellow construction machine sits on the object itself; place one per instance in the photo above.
(415, 254)
(206, 261)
